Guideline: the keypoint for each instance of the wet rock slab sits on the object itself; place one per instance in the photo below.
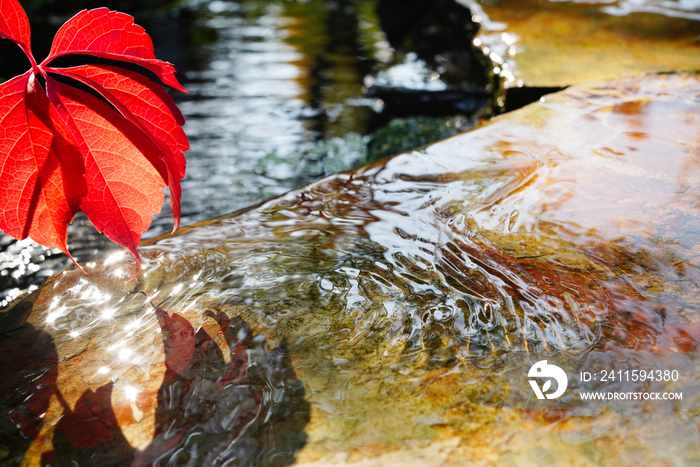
(559, 43)
(388, 316)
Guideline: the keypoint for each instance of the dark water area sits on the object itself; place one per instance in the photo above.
(278, 97)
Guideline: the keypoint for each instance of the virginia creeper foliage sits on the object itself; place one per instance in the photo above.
(64, 149)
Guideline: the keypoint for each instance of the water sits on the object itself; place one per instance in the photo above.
(389, 315)
(266, 81)
(385, 316)
(559, 43)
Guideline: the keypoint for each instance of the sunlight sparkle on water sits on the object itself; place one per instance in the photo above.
(125, 353)
(94, 294)
(108, 313)
(135, 324)
(176, 289)
(52, 316)
(114, 258)
(509, 39)
(131, 392)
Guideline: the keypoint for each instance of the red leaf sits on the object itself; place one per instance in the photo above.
(72, 150)
(147, 100)
(41, 179)
(146, 105)
(110, 34)
(124, 186)
(14, 24)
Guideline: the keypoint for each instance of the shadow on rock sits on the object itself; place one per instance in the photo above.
(226, 397)
(214, 408)
(28, 370)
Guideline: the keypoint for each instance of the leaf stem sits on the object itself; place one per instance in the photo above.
(30, 56)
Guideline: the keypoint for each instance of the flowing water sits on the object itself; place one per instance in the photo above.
(266, 81)
(388, 316)
(559, 43)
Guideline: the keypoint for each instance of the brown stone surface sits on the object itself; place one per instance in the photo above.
(388, 316)
(560, 43)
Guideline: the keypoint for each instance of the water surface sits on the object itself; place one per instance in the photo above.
(406, 301)
(559, 43)
(266, 80)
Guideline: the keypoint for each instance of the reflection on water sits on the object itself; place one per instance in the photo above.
(407, 295)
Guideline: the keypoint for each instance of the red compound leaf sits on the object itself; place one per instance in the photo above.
(63, 149)
(110, 34)
(14, 24)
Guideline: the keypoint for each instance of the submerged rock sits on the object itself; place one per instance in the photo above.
(388, 316)
(402, 135)
(434, 70)
(555, 43)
